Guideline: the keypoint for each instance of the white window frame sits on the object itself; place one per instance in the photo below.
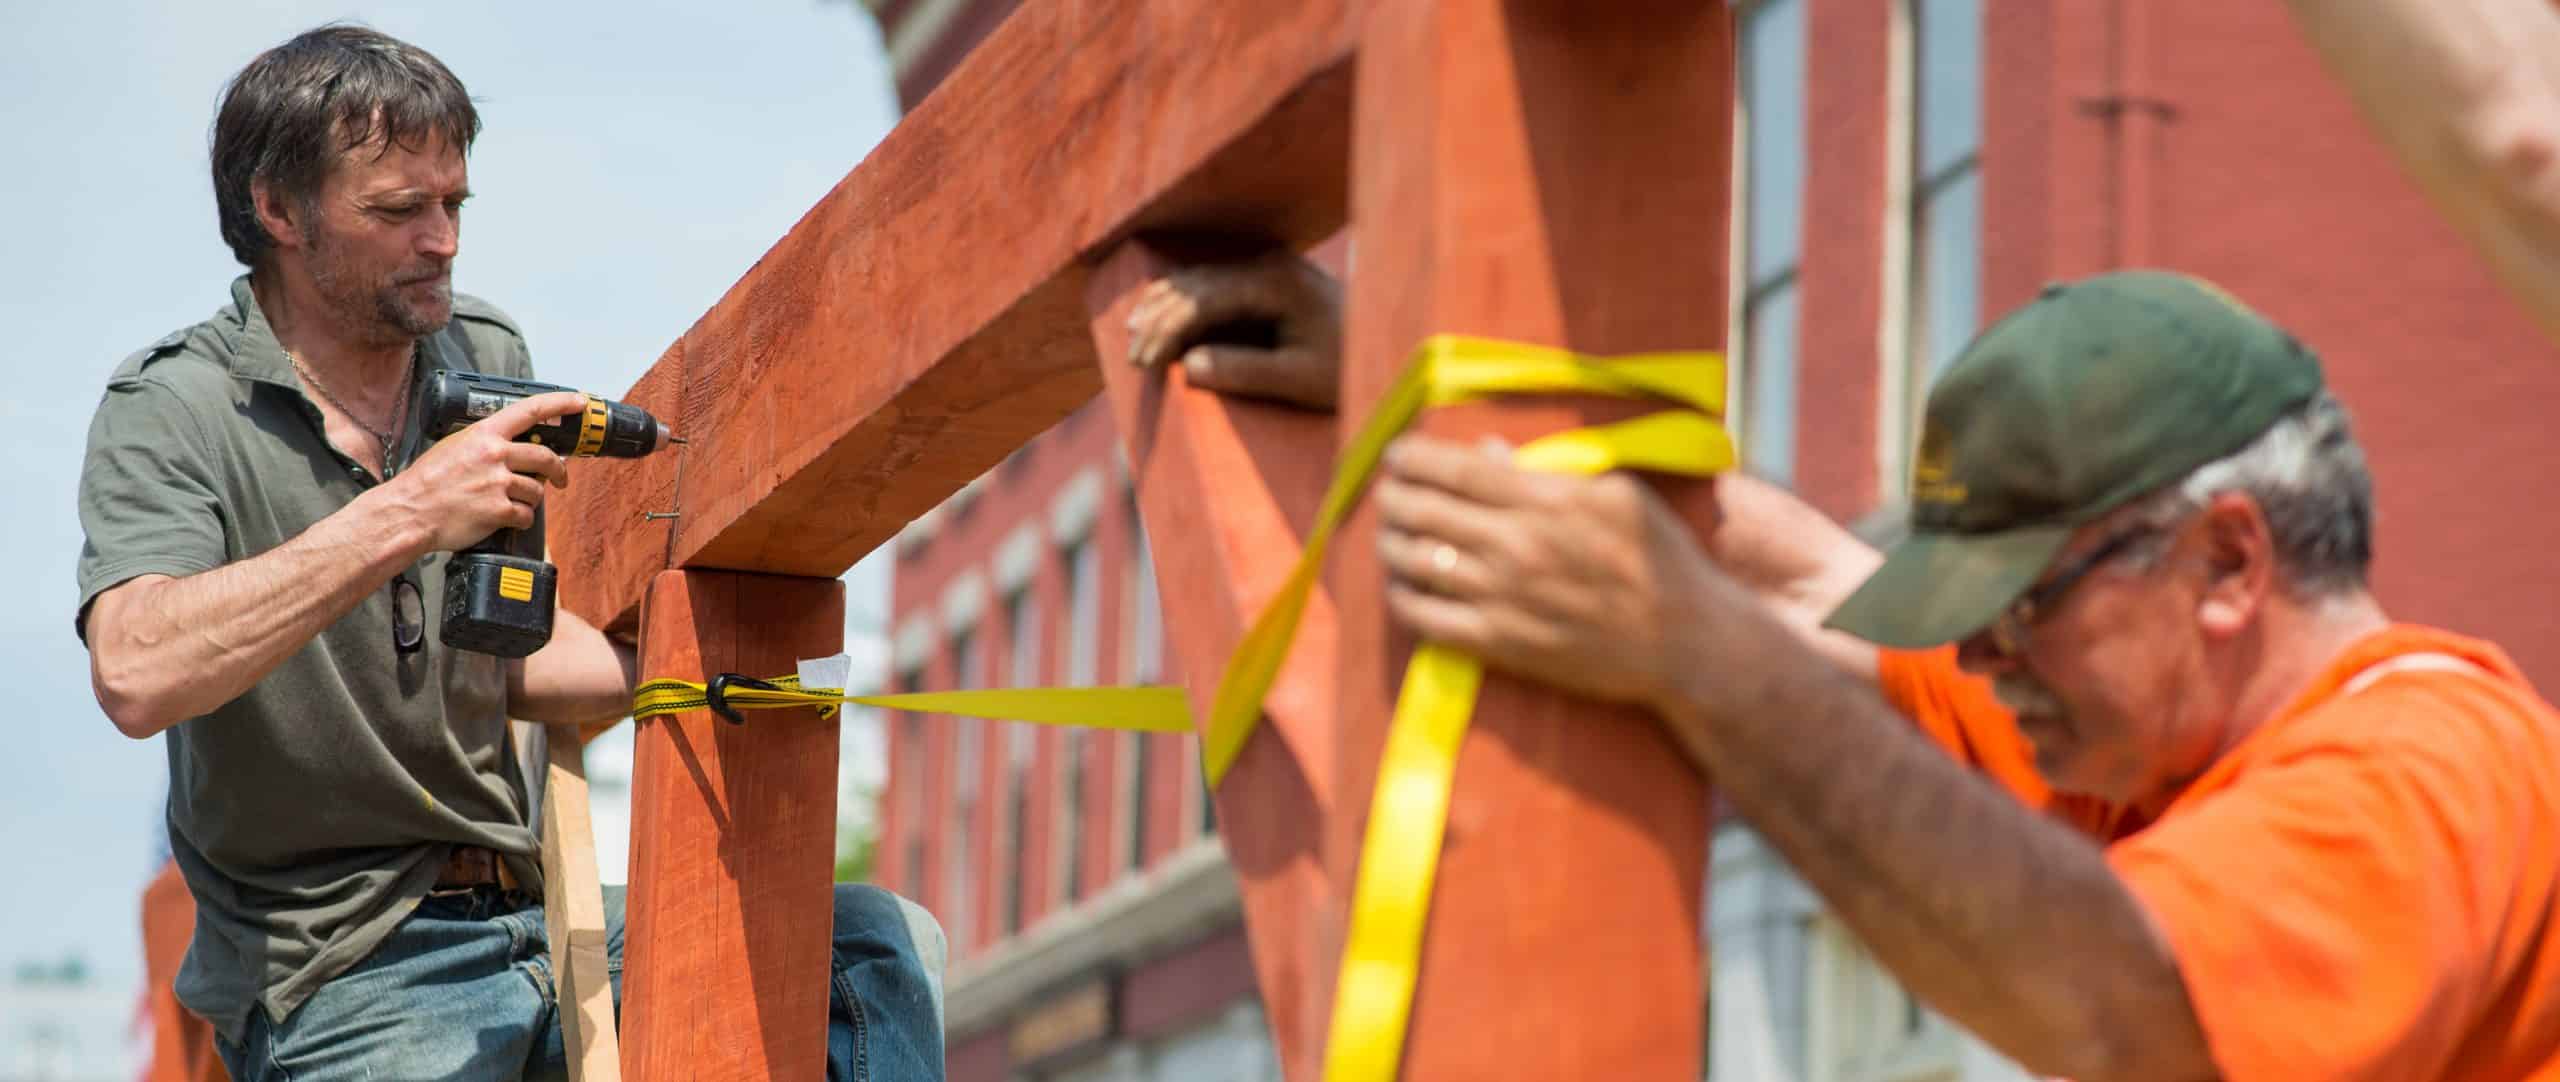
(1081, 562)
(1023, 632)
(1909, 198)
(1750, 298)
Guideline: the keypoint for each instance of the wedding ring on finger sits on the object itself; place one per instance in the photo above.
(1444, 567)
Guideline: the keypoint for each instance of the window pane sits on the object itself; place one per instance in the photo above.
(1084, 614)
(1146, 626)
(1769, 386)
(1133, 750)
(1773, 88)
(1022, 620)
(965, 671)
(1209, 799)
(960, 859)
(1022, 615)
(1208, 822)
(1947, 37)
(1948, 296)
(1017, 815)
(1071, 814)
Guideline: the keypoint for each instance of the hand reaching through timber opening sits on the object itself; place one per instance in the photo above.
(1270, 327)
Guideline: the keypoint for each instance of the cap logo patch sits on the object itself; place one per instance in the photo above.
(1931, 480)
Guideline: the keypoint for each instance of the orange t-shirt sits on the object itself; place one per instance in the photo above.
(2365, 888)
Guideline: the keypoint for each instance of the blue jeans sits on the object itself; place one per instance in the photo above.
(462, 990)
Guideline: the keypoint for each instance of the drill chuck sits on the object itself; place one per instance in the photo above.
(452, 400)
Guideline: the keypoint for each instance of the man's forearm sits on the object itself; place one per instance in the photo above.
(2006, 922)
(580, 677)
(165, 650)
(2466, 94)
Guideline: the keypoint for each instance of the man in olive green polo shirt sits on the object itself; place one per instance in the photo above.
(343, 803)
(2239, 823)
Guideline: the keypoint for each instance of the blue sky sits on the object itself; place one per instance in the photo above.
(636, 158)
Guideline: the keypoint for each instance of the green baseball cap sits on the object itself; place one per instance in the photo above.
(2094, 393)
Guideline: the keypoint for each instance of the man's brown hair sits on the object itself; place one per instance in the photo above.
(287, 117)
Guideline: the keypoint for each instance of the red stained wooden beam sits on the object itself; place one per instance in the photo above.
(1553, 172)
(928, 316)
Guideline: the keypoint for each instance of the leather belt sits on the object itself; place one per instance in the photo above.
(469, 866)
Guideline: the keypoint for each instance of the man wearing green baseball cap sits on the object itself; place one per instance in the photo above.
(2243, 825)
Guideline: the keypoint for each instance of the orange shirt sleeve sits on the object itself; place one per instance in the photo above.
(2335, 910)
(1959, 713)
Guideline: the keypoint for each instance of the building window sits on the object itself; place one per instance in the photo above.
(1146, 665)
(967, 766)
(1084, 629)
(1944, 290)
(1770, 124)
(1022, 622)
(909, 781)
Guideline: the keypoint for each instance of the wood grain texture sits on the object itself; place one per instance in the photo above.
(573, 914)
(927, 317)
(727, 932)
(600, 529)
(1555, 173)
(1231, 487)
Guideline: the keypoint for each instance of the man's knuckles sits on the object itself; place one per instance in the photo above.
(1617, 496)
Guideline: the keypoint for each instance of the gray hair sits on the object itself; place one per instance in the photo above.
(288, 116)
(2307, 474)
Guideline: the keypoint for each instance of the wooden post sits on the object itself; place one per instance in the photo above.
(1239, 483)
(727, 933)
(1553, 172)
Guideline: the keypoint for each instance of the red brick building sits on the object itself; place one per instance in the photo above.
(1907, 167)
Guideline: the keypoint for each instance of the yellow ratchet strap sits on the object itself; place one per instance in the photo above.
(1146, 709)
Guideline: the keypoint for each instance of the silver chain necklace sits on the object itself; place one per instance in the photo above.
(384, 436)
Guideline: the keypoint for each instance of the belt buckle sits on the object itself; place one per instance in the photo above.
(479, 865)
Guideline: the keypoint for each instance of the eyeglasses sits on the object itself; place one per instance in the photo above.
(408, 615)
(2009, 630)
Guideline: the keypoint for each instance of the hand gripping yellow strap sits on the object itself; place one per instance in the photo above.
(1446, 369)
(1146, 709)
(1381, 954)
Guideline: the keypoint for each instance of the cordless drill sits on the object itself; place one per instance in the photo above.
(498, 593)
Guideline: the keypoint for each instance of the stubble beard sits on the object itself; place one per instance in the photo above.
(383, 312)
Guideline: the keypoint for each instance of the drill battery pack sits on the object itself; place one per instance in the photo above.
(498, 604)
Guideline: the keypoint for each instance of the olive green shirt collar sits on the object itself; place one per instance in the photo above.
(256, 356)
